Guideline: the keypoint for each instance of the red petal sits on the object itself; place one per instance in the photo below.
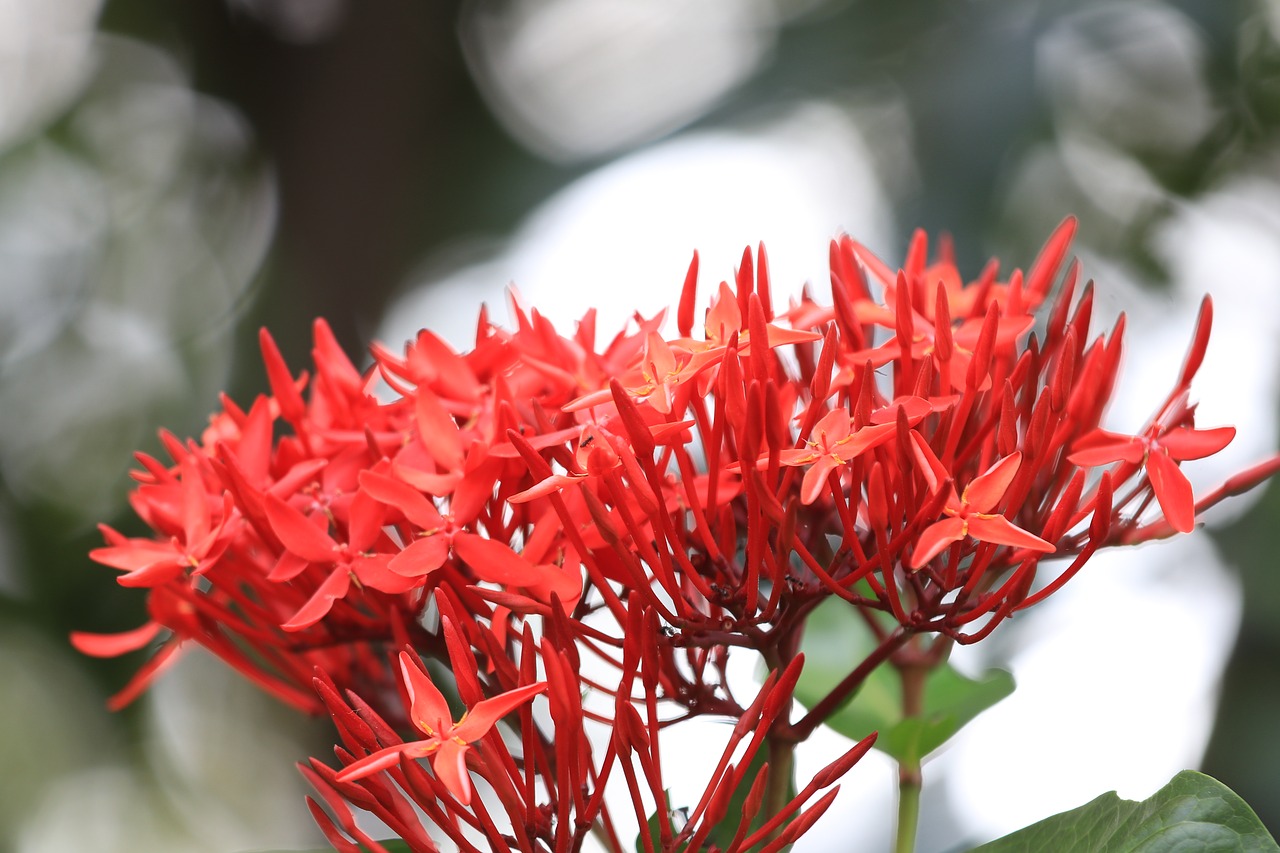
(929, 464)
(674, 433)
(507, 450)
(779, 336)
(483, 715)
(586, 401)
(321, 602)
(297, 533)
(364, 523)
(298, 476)
(866, 312)
(136, 554)
(1173, 491)
(475, 489)
(724, 317)
(332, 361)
(865, 439)
(450, 764)
(934, 538)
(157, 573)
(492, 561)
(562, 581)
(428, 709)
(796, 456)
(165, 657)
(195, 506)
(432, 484)
(916, 408)
(1000, 531)
(375, 572)
(373, 763)
(438, 431)
(815, 479)
(874, 265)
(114, 645)
(1101, 447)
(393, 492)
(422, 557)
(1184, 443)
(554, 483)
(288, 567)
(986, 490)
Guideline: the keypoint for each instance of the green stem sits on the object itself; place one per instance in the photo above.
(908, 812)
(780, 787)
(910, 779)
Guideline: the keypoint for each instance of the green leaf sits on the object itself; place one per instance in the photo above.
(951, 700)
(836, 640)
(1192, 813)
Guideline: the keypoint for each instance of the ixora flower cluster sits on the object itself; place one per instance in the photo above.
(575, 537)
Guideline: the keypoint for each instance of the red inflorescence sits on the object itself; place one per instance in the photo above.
(545, 516)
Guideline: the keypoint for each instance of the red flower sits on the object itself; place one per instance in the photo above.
(309, 545)
(1160, 450)
(149, 562)
(837, 444)
(970, 514)
(447, 742)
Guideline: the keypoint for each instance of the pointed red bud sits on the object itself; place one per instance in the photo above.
(980, 364)
(1064, 371)
(761, 355)
(1058, 314)
(745, 280)
(637, 431)
(688, 299)
(903, 311)
(762, 281)
(1007, 435)
(942, 324)
(842, 302)
(1045, 269)
(780, 697)
(917, 254)
(803, 823)
(282, 385)
(833, 772)
(821, 382)
(1199, 343)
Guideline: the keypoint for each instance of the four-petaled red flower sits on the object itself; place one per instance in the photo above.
(971, 513)
(836, 444)
(1161, 451)
(148, 562)
(447, 742)
(308, 545)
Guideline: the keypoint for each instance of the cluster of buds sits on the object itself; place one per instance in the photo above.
(579, 535)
